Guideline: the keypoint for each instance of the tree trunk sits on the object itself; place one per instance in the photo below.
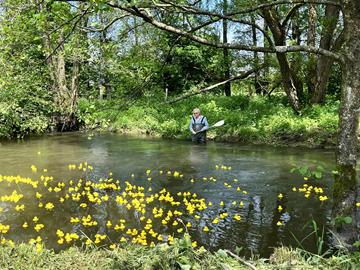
(295, 28)
(227, 86)
(297, 59)
(258, 89)
(323, 66)
(311, 35)
(50, 59)
(72, 119)
(289, 79)
(63, 93)
(104, 81)
(345, 186)
(267, 59)
(75, 85)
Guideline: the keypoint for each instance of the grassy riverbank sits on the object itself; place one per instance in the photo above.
(256, 120)
(178, 256)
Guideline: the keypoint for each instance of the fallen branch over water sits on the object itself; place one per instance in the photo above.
(214, 86)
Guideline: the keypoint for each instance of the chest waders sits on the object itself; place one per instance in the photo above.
(199, 137)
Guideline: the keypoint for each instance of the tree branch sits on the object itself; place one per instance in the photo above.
(104, 28)
(64, 23)
(339, 41)
(252, 267)
(261, 6)
(276, 85)
(290, 14)
(238, 46)
(212, 87)
(68, 34)
(221, 17)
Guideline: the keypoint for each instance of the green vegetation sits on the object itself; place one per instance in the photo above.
(107, 65)
(249, 120)
(178, 256)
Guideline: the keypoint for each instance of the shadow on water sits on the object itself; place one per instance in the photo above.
(250, 189)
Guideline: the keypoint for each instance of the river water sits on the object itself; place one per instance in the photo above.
(249, 189)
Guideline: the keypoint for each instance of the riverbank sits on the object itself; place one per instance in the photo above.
(255, 120)
(248, 120)
(178, 256)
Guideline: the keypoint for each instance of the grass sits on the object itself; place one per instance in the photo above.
(255, 119)
(162, 256)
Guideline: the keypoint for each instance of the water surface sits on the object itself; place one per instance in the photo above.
(263, 172)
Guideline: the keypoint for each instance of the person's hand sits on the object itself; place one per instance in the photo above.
(193, 132)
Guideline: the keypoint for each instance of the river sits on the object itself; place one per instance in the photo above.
(249, 189)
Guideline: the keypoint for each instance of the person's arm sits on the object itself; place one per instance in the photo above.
(206, 127)
(190, 126)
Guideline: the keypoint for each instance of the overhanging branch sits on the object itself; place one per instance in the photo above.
(105, 27)
(255, 8)
(214, 86)
(237, 46)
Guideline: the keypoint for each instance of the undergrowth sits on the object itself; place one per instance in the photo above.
(247, 119)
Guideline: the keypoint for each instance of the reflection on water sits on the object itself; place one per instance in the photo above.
(262, 172)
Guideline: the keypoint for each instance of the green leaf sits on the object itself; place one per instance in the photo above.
(347, 220)
(318, 174)
(357, 244)
(238, 250)
(222, 253)
(185, 266)
(303, 170)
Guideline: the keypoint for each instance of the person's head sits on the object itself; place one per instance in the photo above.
(196, 112)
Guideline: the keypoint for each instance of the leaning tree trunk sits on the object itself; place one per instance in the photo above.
(323, 65)
(291, 83)
(345, 186)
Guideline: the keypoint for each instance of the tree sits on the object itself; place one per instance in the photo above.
(279, 16)
(345, 186)
(321, 67)
(25, 103)
(54, 43)
(227, 86)
(345, 189)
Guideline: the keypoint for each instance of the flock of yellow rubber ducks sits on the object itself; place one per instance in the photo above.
(156, 211)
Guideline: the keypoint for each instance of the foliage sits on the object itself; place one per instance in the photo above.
(339, 221)
(317, 235)
(305, 171)
(135, 62)
(179, 256)
(25, 103)
(255, 120)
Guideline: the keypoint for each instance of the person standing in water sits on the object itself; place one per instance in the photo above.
(198, 126)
